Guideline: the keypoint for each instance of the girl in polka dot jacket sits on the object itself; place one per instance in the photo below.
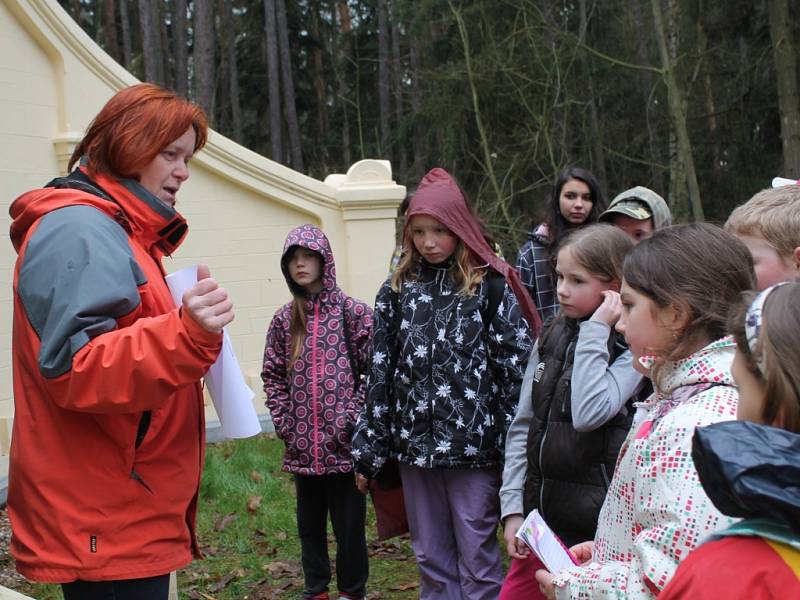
(317, 347)
(677, 289)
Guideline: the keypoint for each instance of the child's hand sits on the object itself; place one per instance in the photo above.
(362, 483)
(516, 548)
(545, 580)
(610, 310)
(583, 551)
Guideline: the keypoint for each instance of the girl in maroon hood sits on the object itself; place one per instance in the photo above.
(317, 348)
(447, 362)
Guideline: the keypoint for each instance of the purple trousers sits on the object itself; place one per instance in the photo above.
(453, 516)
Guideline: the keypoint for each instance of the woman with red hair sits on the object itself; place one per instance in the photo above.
(107, 445)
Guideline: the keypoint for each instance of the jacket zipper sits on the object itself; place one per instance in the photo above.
(438, 286)
(314, 388)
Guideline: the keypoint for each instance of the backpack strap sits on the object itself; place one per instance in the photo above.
(496, 286)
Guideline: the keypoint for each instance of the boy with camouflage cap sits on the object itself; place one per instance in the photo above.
(639, 212)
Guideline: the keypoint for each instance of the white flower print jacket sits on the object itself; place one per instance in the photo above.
(442, 387)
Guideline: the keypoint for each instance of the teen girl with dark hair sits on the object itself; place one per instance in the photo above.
(576, 200)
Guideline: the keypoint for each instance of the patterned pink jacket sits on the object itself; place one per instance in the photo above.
(656, 511)
(315, 406)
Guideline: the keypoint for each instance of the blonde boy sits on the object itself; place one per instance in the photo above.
(769, 225)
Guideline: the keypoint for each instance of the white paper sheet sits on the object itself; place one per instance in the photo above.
(232, 397)
(544, 543)
(781, 181)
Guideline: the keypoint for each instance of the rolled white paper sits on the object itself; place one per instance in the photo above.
(232, 397)
(781, 181)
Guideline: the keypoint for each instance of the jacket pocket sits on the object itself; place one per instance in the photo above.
(138, 479)
(141, 432)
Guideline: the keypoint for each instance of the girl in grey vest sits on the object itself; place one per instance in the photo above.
(575, 405)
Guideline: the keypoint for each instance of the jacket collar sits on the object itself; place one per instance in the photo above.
(158, 227)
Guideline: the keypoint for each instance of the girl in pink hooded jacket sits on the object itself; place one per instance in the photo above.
(317, 348)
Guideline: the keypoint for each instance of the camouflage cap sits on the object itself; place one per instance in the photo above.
(636, 203)
(630, 207)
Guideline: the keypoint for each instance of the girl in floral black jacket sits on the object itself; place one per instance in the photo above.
(446, 368)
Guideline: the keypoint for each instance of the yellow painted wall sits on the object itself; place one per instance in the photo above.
(239, 205)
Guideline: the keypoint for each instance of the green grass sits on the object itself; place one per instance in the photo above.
(253, 552)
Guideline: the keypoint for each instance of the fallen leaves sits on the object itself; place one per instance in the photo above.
(402, 587)
(223, 583)
(280, 568)
(253, 503)
(387, 549)
(222, 523)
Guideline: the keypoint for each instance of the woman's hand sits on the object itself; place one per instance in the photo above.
(583, 552)
(545, 580)
(362, 483)
(610, 310)
(207, 303)
(516, 548)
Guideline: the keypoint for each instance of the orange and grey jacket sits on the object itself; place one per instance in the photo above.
(107, 445)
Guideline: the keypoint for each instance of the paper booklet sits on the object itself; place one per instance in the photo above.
(545, 544)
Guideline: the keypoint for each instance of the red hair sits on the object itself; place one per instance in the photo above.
(134, 126)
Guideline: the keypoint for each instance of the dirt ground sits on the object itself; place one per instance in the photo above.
(8, 575)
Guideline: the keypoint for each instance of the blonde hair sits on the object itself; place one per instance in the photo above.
(777, 350)
(465, 272)
(772, 214)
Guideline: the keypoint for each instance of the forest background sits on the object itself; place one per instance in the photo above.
(695, 99)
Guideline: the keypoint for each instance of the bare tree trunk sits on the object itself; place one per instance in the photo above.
(180, 41)
(161, 14)
(678, 113)
(287, 78)
(646, 81)
(273, 82)
(111, 40)
(342, 56)
(418, 165)
(397, 67)
(204, 60)
(383, 80)
(780, 28)
(231, 69)
(708, 91)
(125, 22)
(319, 74)
(596, 135)
(151, 42)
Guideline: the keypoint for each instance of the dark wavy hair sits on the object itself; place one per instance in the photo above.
(556, 222)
